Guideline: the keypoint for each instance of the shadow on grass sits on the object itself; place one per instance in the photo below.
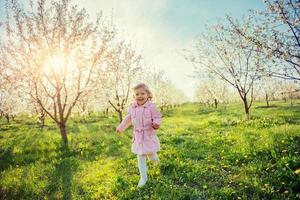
(206, 111)
(7, 156)
(167, 113)
(60, 186)
(272, 106)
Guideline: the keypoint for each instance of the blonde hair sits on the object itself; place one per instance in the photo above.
(145, 87)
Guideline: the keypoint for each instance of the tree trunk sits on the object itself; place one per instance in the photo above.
(247, 108)
(106, 112)
(7, 118)
(63, 132)
(120, 116)
(41, 119)
(216, 103)
(267, 100)
(285, 99)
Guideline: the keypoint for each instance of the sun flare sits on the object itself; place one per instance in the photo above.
(55, 64)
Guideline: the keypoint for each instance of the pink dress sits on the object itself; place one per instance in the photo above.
(141, 117)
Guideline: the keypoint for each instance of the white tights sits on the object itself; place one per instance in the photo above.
(142, 164)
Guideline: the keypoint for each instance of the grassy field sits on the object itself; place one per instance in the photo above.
(206, 154)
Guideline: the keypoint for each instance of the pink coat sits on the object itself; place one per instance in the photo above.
(145, 140)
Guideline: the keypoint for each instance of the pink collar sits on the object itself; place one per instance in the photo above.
(146, 104)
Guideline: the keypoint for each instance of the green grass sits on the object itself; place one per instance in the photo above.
(206, 153)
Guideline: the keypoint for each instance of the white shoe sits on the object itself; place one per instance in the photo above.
(142, 164)
(142, 182)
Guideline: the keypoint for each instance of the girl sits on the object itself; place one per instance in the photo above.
(145, 118)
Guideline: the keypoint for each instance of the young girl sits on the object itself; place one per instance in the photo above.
(145, 118)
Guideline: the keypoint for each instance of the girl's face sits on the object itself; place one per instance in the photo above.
(141, 96)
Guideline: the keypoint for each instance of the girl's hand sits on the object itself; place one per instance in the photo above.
(155, 126)
(118, 131)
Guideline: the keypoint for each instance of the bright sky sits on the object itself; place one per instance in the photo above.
(161, 28)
